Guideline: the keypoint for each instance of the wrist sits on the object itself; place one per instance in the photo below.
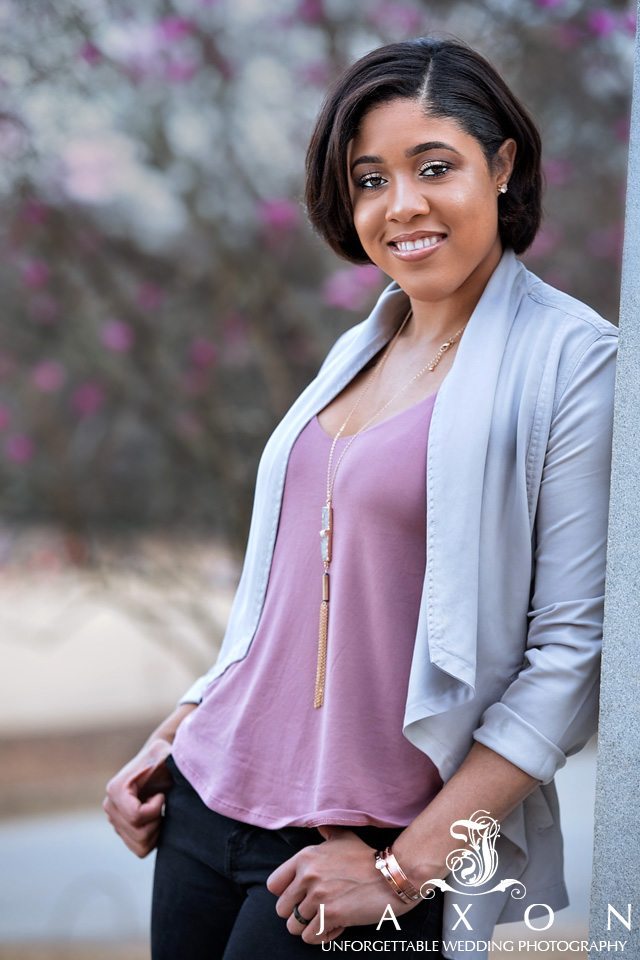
(168, 728)
(417, 867)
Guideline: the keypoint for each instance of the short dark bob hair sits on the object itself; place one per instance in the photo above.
(452, 81)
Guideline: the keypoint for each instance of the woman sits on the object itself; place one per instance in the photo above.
(439, 654)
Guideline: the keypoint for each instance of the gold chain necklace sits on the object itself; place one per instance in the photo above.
(326, 533)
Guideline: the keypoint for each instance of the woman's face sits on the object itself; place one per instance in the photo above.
(421, 178)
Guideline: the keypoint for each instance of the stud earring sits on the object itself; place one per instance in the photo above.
(503, 188)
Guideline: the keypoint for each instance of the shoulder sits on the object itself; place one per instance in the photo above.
(573, 334)
(562, 313)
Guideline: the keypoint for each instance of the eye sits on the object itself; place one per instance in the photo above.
(368, 181)
(432, 169)
(435, 168)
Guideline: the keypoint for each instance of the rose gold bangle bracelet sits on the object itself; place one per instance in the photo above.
(395, 876)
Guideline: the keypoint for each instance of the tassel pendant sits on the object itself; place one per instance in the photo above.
(321, 668)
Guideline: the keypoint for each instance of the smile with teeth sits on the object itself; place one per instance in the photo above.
(420, 244)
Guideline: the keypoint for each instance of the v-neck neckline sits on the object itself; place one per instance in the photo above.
(374, 426)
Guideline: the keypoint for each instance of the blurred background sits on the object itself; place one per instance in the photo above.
(165, 301)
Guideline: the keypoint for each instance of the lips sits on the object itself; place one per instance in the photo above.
(419, 249)
(418, 235)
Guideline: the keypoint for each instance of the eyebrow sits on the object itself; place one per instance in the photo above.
(411, 152)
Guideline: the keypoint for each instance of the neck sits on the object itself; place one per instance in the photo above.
(438, 320)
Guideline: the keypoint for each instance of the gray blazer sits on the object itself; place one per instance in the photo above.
(507, 646)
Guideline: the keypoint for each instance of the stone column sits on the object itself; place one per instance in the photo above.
(616, 855)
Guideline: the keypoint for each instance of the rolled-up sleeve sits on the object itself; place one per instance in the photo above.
(550, 709)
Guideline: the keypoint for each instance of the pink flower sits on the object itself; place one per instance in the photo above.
(602, 22)
(181, 69)
(35, 274)
(174, 28)
(350, 289)
(88, 398)
(5, 417)
(19, 448)
(549, 4)
(149, 296)
(90, 54)
(281, 215)
(117, 336)
(310, 11)
(203, 353)
(48, 376)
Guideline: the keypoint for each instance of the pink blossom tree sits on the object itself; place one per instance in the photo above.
(164, 297)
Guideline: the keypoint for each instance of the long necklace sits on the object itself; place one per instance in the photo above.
(327, 530)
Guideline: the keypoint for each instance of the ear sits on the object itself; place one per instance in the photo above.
(505, 159)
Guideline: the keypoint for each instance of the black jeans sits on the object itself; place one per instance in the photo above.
(210, 901)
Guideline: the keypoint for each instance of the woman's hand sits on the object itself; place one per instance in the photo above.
(135, 797)
(340, 874)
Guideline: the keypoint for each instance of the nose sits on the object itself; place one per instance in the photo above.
(406, 199)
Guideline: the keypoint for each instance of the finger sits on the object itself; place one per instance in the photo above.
(330, 830)
(307, 911)
(141, 777)
(151, 842)
(293, 895)
(282, 876)
(139, 813)
(142, 850)
(151, 809)
(137, 830)
(324, 937)
(142, 841)
(310, 933)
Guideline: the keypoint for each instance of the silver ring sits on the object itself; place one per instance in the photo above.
(299, 916)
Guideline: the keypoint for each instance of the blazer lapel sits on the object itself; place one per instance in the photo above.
(458, 441)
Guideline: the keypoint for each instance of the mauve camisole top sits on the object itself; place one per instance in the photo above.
(256, 749)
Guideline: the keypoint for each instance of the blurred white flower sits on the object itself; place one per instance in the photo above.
(106, 170)
(97, 169)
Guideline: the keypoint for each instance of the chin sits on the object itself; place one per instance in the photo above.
(426, 292)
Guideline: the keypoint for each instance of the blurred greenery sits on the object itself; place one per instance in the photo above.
(165, 298)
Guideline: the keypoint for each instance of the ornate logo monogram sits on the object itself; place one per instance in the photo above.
(476, 863)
